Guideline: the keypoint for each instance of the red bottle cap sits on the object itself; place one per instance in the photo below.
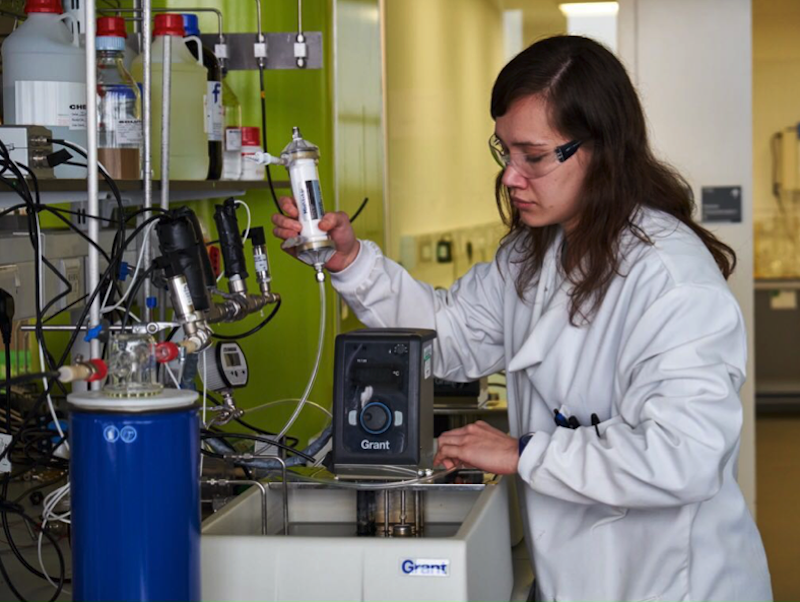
(168, 24)
(251, 136)
(111, 27)
(43, 6)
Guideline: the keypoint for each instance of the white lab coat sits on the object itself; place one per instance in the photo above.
(650, 509)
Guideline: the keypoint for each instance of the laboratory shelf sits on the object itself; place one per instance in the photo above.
(70, 191)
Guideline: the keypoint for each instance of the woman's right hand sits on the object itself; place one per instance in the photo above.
(336, 224)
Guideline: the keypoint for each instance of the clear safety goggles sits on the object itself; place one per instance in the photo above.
(535, 164)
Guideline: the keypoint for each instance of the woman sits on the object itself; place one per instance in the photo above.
(623, 346)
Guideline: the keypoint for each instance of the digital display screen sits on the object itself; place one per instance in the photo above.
(387, 376)
(232, 359)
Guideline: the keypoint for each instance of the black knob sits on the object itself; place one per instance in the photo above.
(376, 418)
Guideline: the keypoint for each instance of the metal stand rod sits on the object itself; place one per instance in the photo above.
(285, 496)
(149, 327)
(166, 107)
(417, 513)
(402, 506)
(300, 17)
(93, 204)
(137, 26)
(386, 513)
(166, 93)
(147, 168)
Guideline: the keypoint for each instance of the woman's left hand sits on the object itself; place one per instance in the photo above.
(479, 446)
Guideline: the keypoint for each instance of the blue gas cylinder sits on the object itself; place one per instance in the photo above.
(134, 476)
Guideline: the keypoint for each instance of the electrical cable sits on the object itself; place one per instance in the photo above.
(78, 231)
(109, 182)
(134, 289)
(38, 487)
(65, 308)
(4, 510)
(37, 404)
(264, 135)
(20, 186)
(82, 214)
(206, 434)
(105, 309)
(249, 218)
(252, 331)
(12, 209)
(24, 378)
(360, 209)
(254, 428)
(7, 346)
(34, 206)
(50, 502)
(269, 462)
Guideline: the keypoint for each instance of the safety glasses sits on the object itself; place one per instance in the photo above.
(534, 164)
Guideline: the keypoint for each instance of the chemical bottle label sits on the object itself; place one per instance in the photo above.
(114, 102)
(215, 120)
(233, 140)
(51, 104)
(129, 132)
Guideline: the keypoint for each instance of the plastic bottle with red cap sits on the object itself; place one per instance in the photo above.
(188, 153)
(119, 104)
(251, 144)
(214, 123)
(44, 77)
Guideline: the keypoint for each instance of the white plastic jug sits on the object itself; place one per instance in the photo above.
(44, 78)
(188, 152)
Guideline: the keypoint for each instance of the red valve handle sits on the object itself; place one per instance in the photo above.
(166, 352)
(101, 370)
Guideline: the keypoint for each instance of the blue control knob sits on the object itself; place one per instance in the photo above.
(376, 418)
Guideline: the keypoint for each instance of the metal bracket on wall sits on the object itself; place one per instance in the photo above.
(280, 50)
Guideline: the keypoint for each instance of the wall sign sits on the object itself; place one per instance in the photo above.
(722, 204)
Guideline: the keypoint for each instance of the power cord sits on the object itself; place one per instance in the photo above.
(6, 318)
(264, 135)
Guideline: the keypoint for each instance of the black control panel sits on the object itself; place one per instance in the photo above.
(383, 401)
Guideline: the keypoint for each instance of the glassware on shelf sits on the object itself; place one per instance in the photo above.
(119, 104)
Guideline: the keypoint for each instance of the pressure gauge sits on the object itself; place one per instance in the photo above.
(226, 367)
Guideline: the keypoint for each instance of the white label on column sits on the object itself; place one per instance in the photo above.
(215, 119)
(185, 297)
(51, 104)
(261, 263)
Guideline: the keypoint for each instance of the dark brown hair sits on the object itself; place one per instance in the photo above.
(590, 98)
